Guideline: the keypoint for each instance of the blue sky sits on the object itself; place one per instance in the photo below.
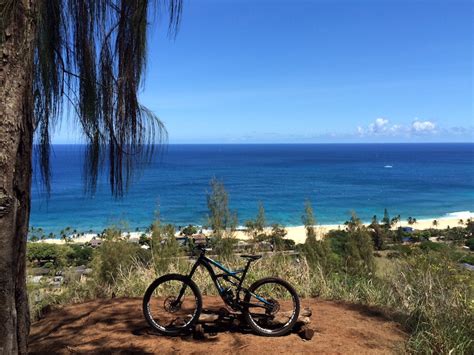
(313, 71)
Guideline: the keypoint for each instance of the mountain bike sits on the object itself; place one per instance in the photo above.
(173, 303)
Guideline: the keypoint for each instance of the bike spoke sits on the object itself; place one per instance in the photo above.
(172, 305)
(271, 306)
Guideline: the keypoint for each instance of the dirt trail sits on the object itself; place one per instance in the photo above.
(117, 326)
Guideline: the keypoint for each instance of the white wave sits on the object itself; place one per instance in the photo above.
(460, 214)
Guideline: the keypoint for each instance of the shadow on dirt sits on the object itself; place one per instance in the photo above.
(221, 321)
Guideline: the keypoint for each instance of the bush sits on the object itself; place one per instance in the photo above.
(403, 250)
(470, 244)
(427, 245)
(319, 255)
(468, 259)
(359, 252)
(164, 245)
(379, 235)
(114, 254)
(456, 234)
(338, 239)
(79, 254)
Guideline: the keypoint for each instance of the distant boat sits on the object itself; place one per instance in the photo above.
(388, 166)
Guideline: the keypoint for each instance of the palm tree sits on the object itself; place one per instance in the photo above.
(395, 220)
(90, 56)
(374, 219)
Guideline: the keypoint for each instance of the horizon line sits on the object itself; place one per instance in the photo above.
(287, 143)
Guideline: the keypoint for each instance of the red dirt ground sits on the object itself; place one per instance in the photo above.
(117, 326)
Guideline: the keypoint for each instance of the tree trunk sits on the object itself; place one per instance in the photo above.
(16, 137)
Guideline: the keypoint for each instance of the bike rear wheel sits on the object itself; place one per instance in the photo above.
(273, 307)
(172, 304)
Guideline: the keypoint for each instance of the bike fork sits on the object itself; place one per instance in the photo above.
(183, 288)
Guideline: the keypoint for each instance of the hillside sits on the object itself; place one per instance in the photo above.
(117, 326)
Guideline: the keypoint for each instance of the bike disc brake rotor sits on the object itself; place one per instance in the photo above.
(171, 305)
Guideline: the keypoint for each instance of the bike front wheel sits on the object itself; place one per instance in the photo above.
(172, 304)
(272, 307)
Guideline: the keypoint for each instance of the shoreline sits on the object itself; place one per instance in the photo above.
(298, 233)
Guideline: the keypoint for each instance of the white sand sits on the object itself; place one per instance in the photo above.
(298, 233)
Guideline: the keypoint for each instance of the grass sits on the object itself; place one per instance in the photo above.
(430, 293)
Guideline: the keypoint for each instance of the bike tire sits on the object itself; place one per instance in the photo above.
(270, 332)
(149, 292)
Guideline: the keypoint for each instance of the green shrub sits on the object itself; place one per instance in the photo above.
(427, 245)
(379, 234)
(338, 239)
(319, 255)
(403, 250)
(113, 254)
(468, 259)
(79, 254)
(470, 244)
(359, 252)
(164, 246)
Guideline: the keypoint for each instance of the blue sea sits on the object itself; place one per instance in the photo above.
(418, 180)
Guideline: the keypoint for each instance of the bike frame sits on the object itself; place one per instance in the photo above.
(229, 276)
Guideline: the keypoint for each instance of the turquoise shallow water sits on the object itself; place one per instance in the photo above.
(419, 180)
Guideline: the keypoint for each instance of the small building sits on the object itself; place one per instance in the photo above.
(199, 239)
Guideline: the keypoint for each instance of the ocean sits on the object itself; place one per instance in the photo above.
(418, 180)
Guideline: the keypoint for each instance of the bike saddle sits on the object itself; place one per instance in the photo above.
(251, 257)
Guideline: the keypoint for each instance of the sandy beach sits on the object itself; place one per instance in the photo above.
(298, 233)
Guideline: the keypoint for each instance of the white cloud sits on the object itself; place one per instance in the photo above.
(379, 126)
(383, 127)
(423, 126)
(396, 128)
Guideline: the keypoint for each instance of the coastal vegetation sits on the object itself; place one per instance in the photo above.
(421, 286)
(415, 277)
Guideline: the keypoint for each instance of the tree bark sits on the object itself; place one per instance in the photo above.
(16, 144)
